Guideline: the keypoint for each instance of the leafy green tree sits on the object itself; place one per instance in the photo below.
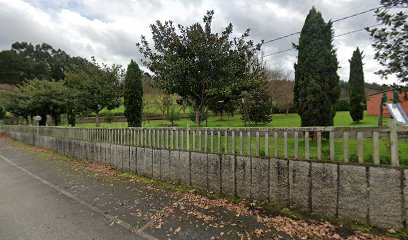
(39, 97)
(97, 86)
(133, 95)
(26, 61)
(257, 105)
(224, 104)
(18, 102)
(173, 114)
(14, 68)
(391, 39)
(198, 64)
(48, 98)
(316, 89)
(164, 102)
(356, 86)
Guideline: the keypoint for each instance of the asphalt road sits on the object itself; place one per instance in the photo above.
(31, 209)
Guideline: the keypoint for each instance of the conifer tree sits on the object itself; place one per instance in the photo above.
(316, 88)
(356, 86)
(133, 95)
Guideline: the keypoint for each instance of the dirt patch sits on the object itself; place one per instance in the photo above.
(102, 170)
(3, 135)
(37, 150)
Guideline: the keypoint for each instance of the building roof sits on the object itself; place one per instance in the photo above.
(387, 90)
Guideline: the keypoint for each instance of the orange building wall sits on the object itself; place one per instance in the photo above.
(373, 103)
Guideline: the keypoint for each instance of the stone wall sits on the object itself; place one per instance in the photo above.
(375, 195)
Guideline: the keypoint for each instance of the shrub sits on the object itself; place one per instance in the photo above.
(343, 105)
(2, 112)
(109, 118)
(203, 116)
(172, 115)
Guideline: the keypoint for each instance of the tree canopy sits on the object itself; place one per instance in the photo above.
(38, 97)
(97, 86)
(26, 61)
(316, 89)
(257, 104)
(391, 39)
(133, 95)
(15, 68)
(198, 64)
(356, 86)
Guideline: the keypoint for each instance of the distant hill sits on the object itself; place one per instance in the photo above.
(369, 88)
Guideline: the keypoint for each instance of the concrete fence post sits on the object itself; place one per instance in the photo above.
(219, 142)
(188, 138)
(194, 140)
(296, 145)
(285, 145)
(266, 143)
(177, 139)
(376, 148)
(346, 147)
(182, 139)
(226, 141)
(249, 143)
(393, 143)
(200, 141)
(205, 140)
(276, 144)
(233, 141)
(257, 142)
(152, 138)
(332, 148)
(172, 138)
(307, 145)
(360, 151)
(241, 143)
(319, 145)
(212, 141)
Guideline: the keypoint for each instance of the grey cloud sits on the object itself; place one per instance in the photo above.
(115, 44)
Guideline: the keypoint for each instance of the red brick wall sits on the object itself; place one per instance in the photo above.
(373, 104)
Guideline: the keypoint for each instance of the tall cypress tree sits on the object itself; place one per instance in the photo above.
(356, 86)
(316, 81)
(133, 95)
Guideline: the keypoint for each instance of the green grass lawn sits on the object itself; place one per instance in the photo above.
(278, 120)
(151, 106)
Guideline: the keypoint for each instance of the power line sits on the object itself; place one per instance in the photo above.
(270, 54)
(336, 20)
(358, 30)
(276, 39)
(340, 35)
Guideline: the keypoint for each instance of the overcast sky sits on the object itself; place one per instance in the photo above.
(109, 29)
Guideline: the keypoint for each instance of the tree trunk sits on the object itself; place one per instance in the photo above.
(71, 118)
(198, 117)
(287, 111)
(26, 120)
(43, 121)
(97, 119)
(206, 118)
(56, 118)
